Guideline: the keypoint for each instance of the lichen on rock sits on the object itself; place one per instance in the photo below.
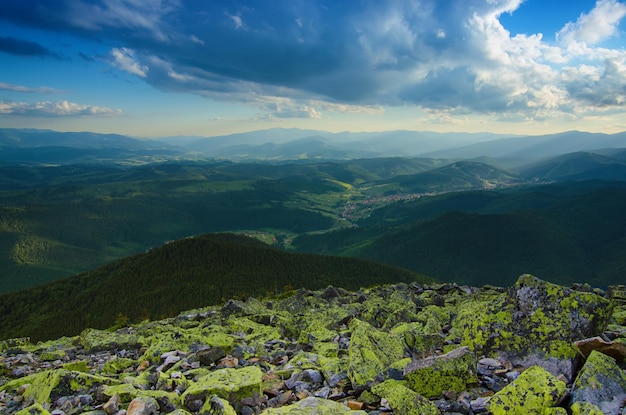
(314, 406)
(371, 352)
(431, 376)
(533, 316)
(404, 400)
(533, 392)
(230, 384)
(600, 382)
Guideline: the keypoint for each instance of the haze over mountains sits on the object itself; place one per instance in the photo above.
(468, 208)
(45, 146)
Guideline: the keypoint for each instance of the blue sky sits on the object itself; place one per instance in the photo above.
(152, 68)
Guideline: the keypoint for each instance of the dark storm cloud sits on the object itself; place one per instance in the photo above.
(437, 54)
(24, 47)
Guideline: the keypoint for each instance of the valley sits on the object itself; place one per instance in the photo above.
(474, 221)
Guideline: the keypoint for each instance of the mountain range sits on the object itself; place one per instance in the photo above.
(468, 208)
(279, 145)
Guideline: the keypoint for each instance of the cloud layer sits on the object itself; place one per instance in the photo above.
(300, 58)
(55, 109)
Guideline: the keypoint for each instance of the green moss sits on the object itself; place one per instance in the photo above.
(600, 381)
(35, 409)
(533, 316)
(557, 410)
(534, 391)
(52, 355)
(387, 306)
(125, 391)
(371, 352)
(117, 365)
(215, 405)
(585, 408)
(453, 371)
(170, 337)
(47, 386)
(314, 406)
(172, 397)
(77, 366)
(230, 384)
(404, 400)
(252, 333)
(99, 340)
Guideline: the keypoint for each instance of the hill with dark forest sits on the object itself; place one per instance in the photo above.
(189, 273)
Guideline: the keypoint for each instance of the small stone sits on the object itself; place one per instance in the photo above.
(143, 405)
(143, 366)
(355, 405)
(112, 405)
(616, 350)
(211, 355)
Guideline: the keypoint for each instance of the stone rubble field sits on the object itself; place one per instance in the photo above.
(533, 348)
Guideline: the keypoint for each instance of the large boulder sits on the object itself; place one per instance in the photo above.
(371, 352)
(234, 385)
(601, 382)
(533, 392)
(533, 316)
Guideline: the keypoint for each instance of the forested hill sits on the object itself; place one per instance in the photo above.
(181, 275)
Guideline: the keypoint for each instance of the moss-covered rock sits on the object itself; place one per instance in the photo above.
(251, 333)
(404, 400)
(585, 408)
(167, 338)
(600, 382)
(94, 340)
(387, 306)
(313, 406)
(371, 352)
(431, 376)
(533, 392)
(47, 386)
(533, 316)
(214, 405)
(126, 392)
(35, 409)
(117, 365)
(230, 384)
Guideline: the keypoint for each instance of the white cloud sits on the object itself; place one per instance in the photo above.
(236, 20)
(54, 109)
(596, 26)
(124, 59)
(26, 89)
(448, 56)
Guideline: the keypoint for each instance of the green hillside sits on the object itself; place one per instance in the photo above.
(185, 274)
(569, 232)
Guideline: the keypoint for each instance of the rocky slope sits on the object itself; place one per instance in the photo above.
(533, 348)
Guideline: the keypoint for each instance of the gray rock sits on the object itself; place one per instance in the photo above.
(602, 383)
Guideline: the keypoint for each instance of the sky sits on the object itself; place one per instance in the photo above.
(155, 68)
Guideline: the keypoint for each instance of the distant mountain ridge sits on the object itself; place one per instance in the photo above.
(279, 145)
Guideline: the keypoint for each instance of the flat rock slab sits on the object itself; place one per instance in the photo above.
(431, 376)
